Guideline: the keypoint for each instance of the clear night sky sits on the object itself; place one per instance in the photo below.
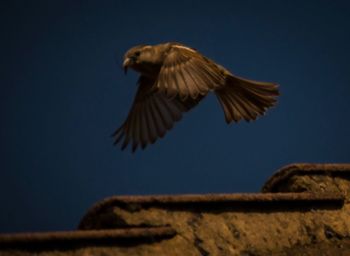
(63, 93)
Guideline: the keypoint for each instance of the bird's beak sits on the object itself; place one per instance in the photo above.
(126, 64)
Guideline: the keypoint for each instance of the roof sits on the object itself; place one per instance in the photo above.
(303, 208)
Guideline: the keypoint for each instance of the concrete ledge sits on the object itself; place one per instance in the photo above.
(304, 210)
(326, 178)
(98, 216)
(65, 239)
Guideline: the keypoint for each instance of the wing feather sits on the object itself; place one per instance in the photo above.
(152, 114)
(158, 121)
(187, 73)
(151, 123)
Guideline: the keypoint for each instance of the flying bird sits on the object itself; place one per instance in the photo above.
(173, 79)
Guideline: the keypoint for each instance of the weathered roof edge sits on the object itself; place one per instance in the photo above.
(246, 200)
(123, 221)
(77, 236)
(288, 171)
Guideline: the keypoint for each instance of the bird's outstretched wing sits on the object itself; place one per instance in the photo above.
(152, 114)
(186, 73)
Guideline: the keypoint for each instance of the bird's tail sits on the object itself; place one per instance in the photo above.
(246, 99)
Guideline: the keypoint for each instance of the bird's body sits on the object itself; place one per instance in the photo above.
(173, 79)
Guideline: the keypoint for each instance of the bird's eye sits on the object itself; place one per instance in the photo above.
(137, 53)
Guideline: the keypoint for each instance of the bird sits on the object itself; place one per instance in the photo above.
(173, 79)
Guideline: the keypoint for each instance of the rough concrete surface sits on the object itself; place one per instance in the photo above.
(303, 210)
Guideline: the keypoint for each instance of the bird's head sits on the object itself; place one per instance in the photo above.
(145, 59)
(132, 57)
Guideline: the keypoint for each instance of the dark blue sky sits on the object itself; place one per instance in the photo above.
(63, 93)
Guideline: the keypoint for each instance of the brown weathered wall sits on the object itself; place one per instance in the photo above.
(303, 210)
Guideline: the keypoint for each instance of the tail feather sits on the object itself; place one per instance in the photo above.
(246, 99)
